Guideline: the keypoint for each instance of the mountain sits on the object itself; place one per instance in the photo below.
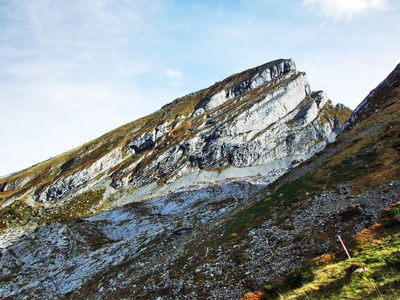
(184, 203)
(266, 116)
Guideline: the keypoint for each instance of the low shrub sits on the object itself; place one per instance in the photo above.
(325, 259)
(393, 217)
(296, 278)
(257, 295)
(396, 143)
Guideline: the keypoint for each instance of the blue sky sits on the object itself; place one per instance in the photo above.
(74, 70)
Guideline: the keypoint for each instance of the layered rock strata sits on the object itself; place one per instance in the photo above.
(259, 116)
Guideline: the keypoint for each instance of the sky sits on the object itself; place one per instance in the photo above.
(72, 70)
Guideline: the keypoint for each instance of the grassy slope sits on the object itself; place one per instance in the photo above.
(376, 250)
(19, 213)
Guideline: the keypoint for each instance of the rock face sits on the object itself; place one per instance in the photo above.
(271, 71)
(169, 178)
(143, 142)
(79, 178)
(268, 117)
(259, 116)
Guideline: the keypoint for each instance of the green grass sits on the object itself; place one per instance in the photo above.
(16, 213)
(285, 197)
(396, 143)
(295, 279)
(80, 207)
(353, 166)
(393, 217)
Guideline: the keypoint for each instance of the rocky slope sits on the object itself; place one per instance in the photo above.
(174, 179)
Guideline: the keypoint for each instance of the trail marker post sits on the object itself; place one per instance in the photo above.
(344, 247)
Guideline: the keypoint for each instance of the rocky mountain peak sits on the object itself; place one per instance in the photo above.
(185, 168)
(264, 116)
(235, 86)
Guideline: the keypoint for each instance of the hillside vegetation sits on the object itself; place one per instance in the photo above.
(373, 272)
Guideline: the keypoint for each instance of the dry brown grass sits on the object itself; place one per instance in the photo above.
(377, 135)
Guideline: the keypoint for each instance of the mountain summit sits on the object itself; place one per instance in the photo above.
(267, 114)
(136, 196)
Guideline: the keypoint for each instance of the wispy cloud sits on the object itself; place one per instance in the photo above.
(345, 9)
(175, 75)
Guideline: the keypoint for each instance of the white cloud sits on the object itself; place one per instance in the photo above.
(45, 69)
(173, 73)
(345, 9)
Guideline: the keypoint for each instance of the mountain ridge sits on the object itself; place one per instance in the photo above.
(90, 155)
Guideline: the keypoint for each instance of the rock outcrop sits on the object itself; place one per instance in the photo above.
(259, 116)
(268, 117)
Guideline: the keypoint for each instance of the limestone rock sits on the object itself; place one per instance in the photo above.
(258, 117)
(142, 142)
